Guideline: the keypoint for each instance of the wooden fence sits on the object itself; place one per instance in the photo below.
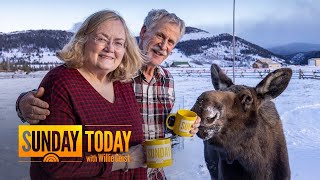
(239, 73)
(309, 75)
(297, 74)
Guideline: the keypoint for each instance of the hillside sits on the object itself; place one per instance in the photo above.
(34, 46)
(201, 47)
(302, 58)
(294, 48)
(31, 41)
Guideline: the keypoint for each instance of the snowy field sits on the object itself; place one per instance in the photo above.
(298, 106)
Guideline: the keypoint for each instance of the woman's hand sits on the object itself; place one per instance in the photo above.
(137, 159)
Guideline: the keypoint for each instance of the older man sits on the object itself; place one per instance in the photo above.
(153, 85)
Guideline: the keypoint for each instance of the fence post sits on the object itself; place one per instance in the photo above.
(301, 75)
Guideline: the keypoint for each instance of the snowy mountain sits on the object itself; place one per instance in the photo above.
(297, 53)
(294, 48)
(34, 46)
(302, 57)
(197, 46)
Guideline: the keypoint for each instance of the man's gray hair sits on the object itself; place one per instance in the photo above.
(156, 15)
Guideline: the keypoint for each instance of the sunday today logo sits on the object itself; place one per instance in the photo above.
(54, 141)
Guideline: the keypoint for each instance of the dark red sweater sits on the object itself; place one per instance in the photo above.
(73, 101)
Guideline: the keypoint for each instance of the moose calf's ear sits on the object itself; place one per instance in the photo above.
(246, 99)
(274, 83)
(219, 78)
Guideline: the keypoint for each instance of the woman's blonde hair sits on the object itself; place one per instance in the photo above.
(72, 53)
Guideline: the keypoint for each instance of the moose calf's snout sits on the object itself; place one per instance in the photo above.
(210, 116)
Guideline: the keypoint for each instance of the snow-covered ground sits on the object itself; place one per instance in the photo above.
(298, 106)
(299, 109)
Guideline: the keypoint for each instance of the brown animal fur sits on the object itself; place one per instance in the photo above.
(241, 128)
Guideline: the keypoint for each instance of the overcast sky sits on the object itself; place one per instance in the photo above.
(264, 22)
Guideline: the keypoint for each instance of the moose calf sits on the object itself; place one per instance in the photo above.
(241, 128)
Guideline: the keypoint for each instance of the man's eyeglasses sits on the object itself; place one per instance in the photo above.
(102, 41)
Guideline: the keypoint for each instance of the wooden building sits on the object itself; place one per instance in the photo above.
(314, 62)
(266, 63)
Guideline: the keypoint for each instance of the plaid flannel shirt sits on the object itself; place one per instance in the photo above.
(156, 99)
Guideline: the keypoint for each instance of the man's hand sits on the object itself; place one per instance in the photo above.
(195, 126)
(32, 108)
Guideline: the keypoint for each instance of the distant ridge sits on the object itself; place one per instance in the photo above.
(302, 58)
(194, 30)
(207, 48)
(294, 48)
(32, 40)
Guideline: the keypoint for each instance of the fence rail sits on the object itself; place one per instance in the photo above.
(297, 74)
(243, 73)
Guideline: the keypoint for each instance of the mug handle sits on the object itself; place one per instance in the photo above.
(167, 121)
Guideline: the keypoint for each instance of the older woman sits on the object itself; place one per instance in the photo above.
(88, 90)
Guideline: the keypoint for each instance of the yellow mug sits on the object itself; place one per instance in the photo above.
(183, 122)
(158, 152)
